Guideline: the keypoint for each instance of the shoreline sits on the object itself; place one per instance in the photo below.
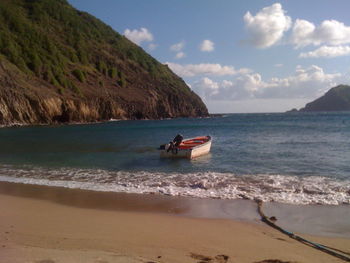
(46, 224)
(284, 189)
(58, 124)
(302, 219)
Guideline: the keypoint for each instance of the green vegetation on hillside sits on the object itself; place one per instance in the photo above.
(58, 64)
(53, 41)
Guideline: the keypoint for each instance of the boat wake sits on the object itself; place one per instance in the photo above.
(278, 188)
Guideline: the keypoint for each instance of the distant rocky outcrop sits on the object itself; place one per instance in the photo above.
(61, 65)
(336, 99)
(292, 110)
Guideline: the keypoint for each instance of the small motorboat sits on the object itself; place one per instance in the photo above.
(188, 148)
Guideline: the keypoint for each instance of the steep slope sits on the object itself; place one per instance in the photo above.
(336, 99)
(58, 64)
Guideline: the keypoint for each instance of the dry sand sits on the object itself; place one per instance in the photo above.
(50, 225)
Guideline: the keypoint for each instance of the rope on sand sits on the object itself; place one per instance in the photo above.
(329, 250)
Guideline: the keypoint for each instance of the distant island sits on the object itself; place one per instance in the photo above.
(61, 65)
(336, 99)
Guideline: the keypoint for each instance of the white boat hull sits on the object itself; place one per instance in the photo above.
(190, 153)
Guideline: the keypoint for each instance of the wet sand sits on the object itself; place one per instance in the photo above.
(50, 225)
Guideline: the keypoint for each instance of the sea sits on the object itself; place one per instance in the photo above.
(293, 158)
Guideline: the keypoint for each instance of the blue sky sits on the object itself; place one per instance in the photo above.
(240, 56)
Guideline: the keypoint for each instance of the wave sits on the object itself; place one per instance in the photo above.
(266, 187)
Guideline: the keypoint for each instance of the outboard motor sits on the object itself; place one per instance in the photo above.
(162, 147)
(167, 146)
(172, 146)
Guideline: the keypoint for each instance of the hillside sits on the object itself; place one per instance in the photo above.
(58, 64)
(336, 99)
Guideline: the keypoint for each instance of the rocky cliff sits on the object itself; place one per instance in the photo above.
(58, 64)
(336, 99)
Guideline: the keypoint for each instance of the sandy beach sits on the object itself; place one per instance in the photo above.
(53, 225)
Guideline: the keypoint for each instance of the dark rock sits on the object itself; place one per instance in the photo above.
(336, 99)
(292, 110)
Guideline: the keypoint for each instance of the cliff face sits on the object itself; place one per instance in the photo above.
(58, 64)
(336, 99)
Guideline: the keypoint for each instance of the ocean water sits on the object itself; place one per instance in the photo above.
(297, 158)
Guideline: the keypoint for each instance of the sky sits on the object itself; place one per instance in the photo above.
(240, 56)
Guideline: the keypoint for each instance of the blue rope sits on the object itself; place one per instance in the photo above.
(329, 250)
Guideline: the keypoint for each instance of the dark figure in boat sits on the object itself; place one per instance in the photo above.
(178, 139)
(174, 143)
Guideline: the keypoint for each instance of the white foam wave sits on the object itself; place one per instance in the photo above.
(279, 188)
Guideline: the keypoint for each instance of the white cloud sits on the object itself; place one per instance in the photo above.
(330, 32)
(266, 28)
(328, 52)
(242, 87)
(310, 82)
(139, 36)
(206, 87)
(177, 47)
(278, 65)
(302, 30)
(180, 55)
(191, 70)
(306, 83)
(254, 105)
(207, 46)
